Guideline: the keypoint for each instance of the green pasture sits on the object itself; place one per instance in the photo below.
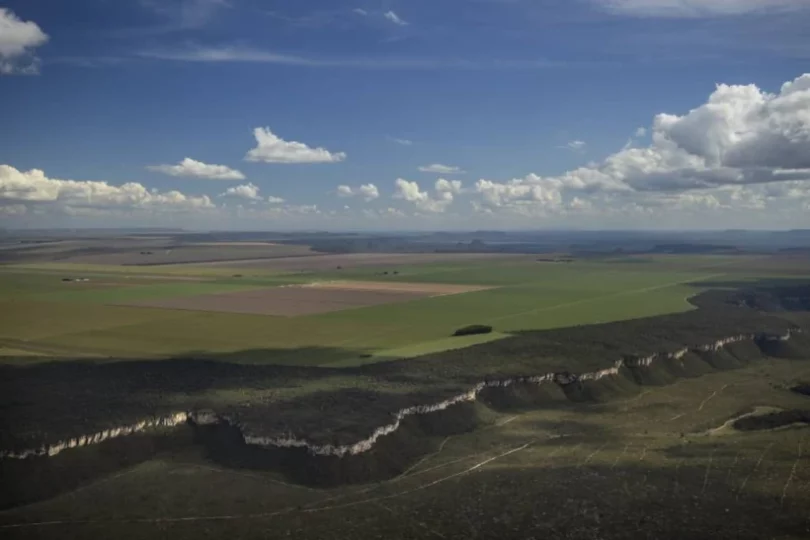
(40, 314)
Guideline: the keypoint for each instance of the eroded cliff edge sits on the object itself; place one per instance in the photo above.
(374, 425)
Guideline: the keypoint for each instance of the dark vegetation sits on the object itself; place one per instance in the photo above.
(473, 329)
(53, 401)
(46, 403)
(773, 420)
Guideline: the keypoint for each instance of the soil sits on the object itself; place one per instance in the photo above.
(427, 288)
(283, 301)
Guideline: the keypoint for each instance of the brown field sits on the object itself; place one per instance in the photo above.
(360, 260)
(434, 289)
(292, 301)
(283, 301)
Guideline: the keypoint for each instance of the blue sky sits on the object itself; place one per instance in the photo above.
(519, 113)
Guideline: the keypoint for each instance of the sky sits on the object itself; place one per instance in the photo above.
(405, 114)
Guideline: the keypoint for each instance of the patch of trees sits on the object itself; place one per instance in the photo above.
(473, 329)
(555, 259)
(771, 299)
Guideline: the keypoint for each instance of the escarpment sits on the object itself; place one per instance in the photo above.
(456, 392)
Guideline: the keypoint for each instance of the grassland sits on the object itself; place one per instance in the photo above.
(647, 466)
(40, 314)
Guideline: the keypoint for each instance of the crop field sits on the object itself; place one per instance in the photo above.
(270, 314)
(295, 300)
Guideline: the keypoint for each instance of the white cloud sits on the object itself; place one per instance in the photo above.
(448, 186)
(361, 12)
(237, 53)
(641, 132)
(744, 149)
(741, 135)
(697, 8)
(33, 187)
(394, 18)
(744, 127)
(248, 192)
(438, 168)
(546, 192)
(409, 191)
(18, 39)
(272, 149)
(576, 146)
(197, 169)
(369, 192)
(403, 142)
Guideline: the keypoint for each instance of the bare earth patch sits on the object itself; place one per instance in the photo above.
(308, 299)
(434, 289)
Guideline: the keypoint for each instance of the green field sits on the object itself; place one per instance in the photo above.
(46, 317)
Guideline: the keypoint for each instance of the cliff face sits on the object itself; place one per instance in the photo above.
(577, 387)
(149, 424)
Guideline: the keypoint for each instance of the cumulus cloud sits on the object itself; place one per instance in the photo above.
(697, 8)
(410, 192)
(249, 192)
(369, 192)
(545, 192)
(742, 137)
(34, 188)
(273, 149)
(197, 169)
(448, 186)
(438, 168)
(18, 39)
(394, 18)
